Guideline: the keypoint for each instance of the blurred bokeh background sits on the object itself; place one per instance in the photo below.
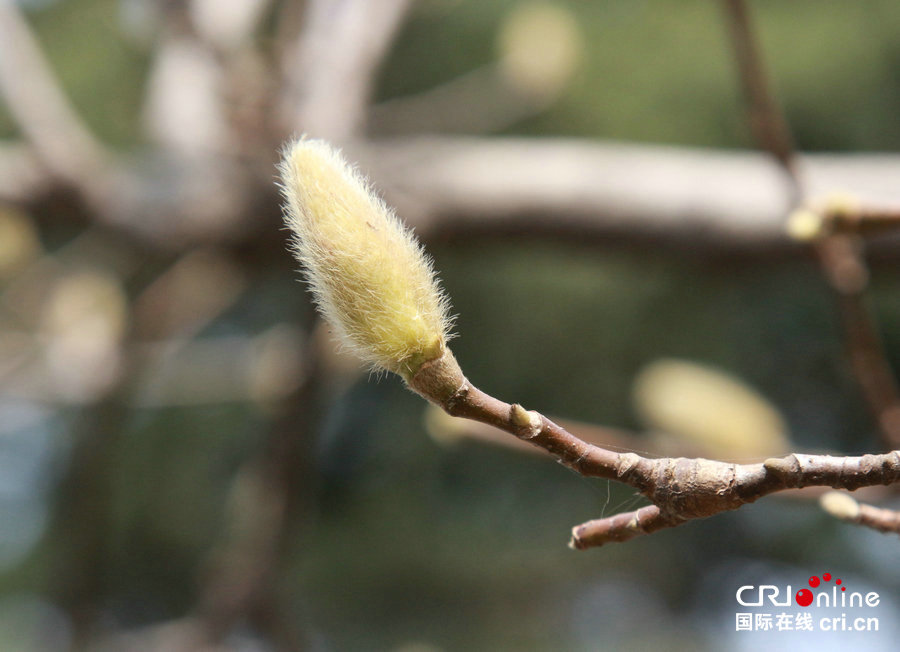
(185, 461)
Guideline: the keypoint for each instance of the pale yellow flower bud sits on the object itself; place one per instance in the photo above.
(371, 279)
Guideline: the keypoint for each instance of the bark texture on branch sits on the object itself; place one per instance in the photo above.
(681, 489)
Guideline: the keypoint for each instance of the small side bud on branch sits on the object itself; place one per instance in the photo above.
(371, 279)
(530, 421)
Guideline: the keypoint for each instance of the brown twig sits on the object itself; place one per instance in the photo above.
(452, 430)
(846, 508)
(446, 429)
(866, 220)
(883, 520)
(680, 489)
(767, 121)
(840, 255)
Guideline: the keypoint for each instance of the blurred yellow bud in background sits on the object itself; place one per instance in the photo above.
(708, 409)
(540, 47)
(840, 505)
(84, 322)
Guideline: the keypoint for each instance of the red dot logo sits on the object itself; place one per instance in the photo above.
(814, 581)
(804, 597)
(827, 577)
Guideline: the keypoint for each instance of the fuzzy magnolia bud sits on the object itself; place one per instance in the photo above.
(371, 279)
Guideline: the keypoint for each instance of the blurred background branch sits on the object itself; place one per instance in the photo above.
(63, 142)
(706, 200)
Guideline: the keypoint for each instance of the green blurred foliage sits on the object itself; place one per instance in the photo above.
(654, 71)
(100, 69)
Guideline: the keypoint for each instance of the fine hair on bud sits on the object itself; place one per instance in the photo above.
(370, 278)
